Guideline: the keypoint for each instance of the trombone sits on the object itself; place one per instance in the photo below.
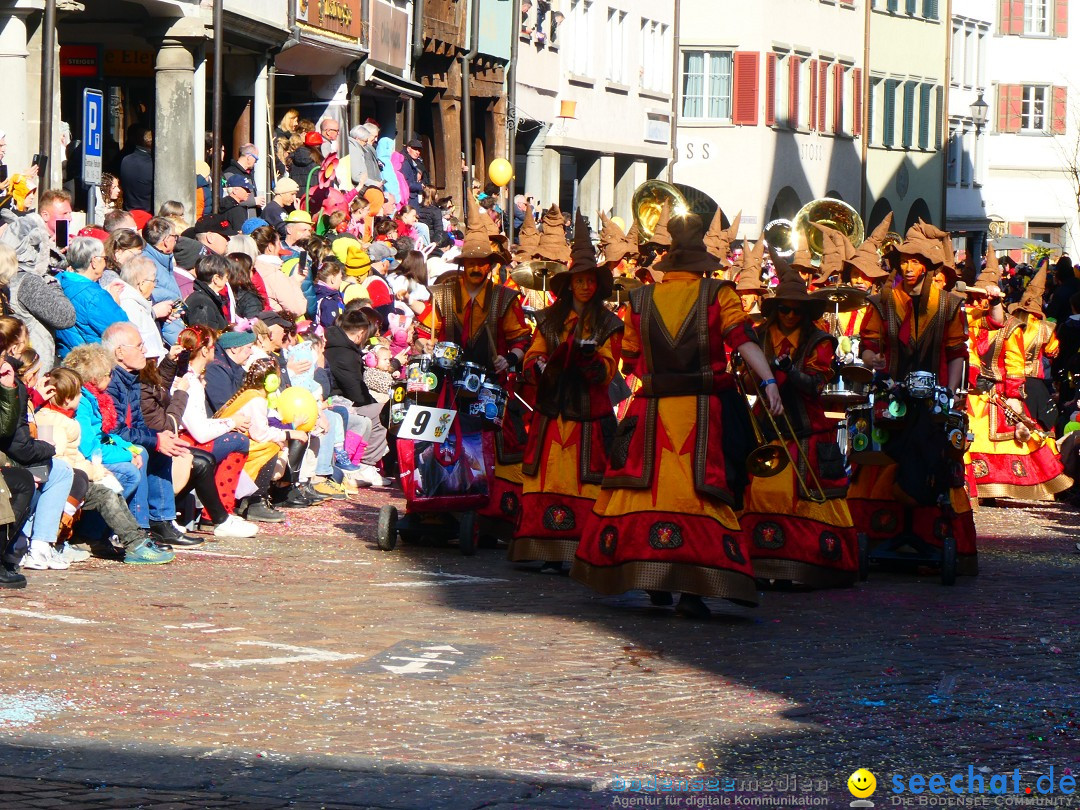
(768, 459)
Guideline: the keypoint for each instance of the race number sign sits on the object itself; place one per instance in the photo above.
(426, 424)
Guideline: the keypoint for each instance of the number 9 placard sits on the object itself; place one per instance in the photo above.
(426, 424)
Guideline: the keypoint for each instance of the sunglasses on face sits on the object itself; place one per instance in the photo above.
(786, 310)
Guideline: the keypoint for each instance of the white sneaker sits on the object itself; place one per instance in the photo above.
(74, 555)
(235, 526)
(370, 474)
(38, 559)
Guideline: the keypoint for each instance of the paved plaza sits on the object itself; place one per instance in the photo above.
(305, 668)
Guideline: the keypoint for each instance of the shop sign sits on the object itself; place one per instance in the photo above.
(78, 60)
(340, 17)
(389, 35)
(129, 63)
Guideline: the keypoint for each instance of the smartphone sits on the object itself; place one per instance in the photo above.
(62, 233)
(301, 263)
(3, 173)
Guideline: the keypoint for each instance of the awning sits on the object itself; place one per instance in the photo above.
(1021, 243)
(395, 84)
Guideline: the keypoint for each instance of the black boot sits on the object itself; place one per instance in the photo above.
(203, 465)
(661, 598)
(693, 606)
(10, 578)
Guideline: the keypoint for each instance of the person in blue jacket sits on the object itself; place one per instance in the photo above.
(95, 309)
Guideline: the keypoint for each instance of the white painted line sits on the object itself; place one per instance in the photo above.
(443, 579)
(55, 617)
(223, 629)
(343, 562)
(304, 654)
(200, 553)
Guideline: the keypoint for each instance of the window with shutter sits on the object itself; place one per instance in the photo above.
(910, 6)
(908, 128)
(1061, 18)
(771, 60)
(893, 6)
(795, 67)
(1011, 17)
(746, 88)
(925, 91)
(823, 96)
(813, 94)
(930, 9)
(856, 102)
(1058, 121)
(838, 99)
(888, 110)
(1010, 102)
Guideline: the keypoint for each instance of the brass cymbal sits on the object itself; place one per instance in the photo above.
(624, 285)
(841, 298)
(536, 275)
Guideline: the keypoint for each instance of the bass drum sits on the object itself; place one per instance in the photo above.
(867, 437)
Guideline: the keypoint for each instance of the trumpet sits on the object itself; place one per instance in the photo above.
(1018, 419)
(768, 459)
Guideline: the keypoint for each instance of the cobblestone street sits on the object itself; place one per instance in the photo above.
(306, 668)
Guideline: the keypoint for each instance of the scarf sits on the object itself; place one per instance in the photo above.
(68, 412)
(109, 417)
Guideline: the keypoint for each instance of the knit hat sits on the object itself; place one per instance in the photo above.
(186, 252)
(381, 252)
(234, 340)
(687, 252)
(661, 235)
(94, 232)
(357, 261)
(1032, 299)
(718, 239)
(285, 185)
(748, 280)
(582, 259)
(251, 224)
(553, 246)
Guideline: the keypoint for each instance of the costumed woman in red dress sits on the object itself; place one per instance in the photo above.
(665, 518)
(573, 358)
(798, 520)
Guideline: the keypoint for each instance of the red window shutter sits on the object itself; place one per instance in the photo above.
(1011, 16)
(813, 93)
(770, 88)
(1057, 119)
(823, 95)
(1010, 98)
(793, 92)
(745, 87)
(1061, 18)
(838, 99)
(856, 102)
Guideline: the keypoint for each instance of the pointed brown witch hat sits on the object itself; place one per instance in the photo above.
(553, 246)
(528, 236)
(836, 249)
(748, 281)
(718, 239)
(867, 257)
(583, 259)
(661, 236)
(613, 242)
(1032, 299)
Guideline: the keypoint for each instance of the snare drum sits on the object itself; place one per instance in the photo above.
(446, 355)
(956, 430)
(419, 377)
(490, 405)
(867, 437)
(467, 380)
(921, 384)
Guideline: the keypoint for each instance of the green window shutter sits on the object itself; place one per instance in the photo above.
(924, 115)
(907, 138)
(888, 127)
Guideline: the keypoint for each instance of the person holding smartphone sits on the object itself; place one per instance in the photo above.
(55, 208)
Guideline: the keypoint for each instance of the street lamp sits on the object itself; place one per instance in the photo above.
(980, 111)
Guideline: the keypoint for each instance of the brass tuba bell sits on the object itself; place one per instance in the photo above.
(831, 213)
(777, 236)
(648, 202)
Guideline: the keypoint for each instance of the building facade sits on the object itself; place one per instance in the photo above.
(1032, 163)
(770, 105)
(594, 98)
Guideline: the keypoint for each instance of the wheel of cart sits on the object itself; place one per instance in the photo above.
(948, 561)
(386, 534)
(468, 533)
(864, 556)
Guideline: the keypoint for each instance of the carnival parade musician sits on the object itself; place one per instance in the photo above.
(797, 520)
(665, 517)
(917, 327)
(573, 359)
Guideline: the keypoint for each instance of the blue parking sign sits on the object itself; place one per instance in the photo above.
(93, 135)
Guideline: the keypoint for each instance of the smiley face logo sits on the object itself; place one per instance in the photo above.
(862, 783)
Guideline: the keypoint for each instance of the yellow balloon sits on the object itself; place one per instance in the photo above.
(620, 222)
(500, 171)
(297, 407)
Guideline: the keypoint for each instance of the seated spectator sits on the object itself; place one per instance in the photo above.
(225, 373)
(139, 277)
(122, 341)
(207, 304)
(95, 309)
(248, 301)
(161, 239)
(53, 477)
(164, 401)
(185, 255)
(283, 201)
(104, 494)
(345, 361)
(34, 299)
(328, 290)
(283, 293)
(19, 483)
(119, 247)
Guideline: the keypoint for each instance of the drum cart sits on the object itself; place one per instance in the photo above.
(445, 479)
